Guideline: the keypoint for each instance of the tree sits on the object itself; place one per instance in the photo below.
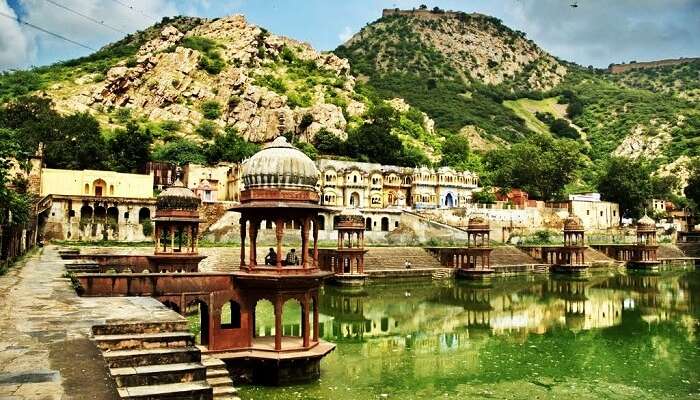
(328, 143)
(130, 148)
(12, 202)
(484, 196)
(626, 182)
(540, 165)
(230, 147)
(207, 129)
(180, 152)
(692, 191)
(79, 144)
(455, 151)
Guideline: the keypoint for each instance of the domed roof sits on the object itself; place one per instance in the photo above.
(478, 222)
(177, 197)
(351, 218)
(573, 223)
(280, 165)
(645, 223)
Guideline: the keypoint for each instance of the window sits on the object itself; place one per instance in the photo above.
(601, 213)
(231, 315)
(71, 213)
(588, 212)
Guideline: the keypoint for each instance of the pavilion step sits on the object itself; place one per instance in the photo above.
(139, 327)
(224, 392)
(213, 372)
(223, 381)
(144, 341)
(199, 390)
(150, 375)
(142, 357)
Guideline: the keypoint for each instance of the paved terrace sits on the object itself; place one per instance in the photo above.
(45, 350)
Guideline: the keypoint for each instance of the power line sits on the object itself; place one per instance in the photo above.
(136, 10)
(86, 16)
(46, 31)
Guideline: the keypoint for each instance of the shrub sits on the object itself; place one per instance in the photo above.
(131, 62)
(211, 109)
(170, 126)
(207, 129)
(147, 227)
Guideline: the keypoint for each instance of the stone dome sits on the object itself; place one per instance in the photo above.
(477, 222)
(177, 197)
(646, 224)
(351, 218)
(279, 165)
(573, 223)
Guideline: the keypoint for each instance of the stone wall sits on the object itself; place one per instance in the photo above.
(620, 68)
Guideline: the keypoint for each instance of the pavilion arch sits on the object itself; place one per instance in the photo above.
(85, 213)
(230, 315)
(113, 214)
(201, 309)
(292, 318)
(263, 318)
(100, 214)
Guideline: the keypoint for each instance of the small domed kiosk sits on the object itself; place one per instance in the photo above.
(645, 255)
(280, 186)
(571, 257)
(176, 230)
(474, 261)
(347, 262)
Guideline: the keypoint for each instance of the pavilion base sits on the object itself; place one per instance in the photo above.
(578, 269)
(275, 368)
(474, 273)
(644, 265)
(349, 279)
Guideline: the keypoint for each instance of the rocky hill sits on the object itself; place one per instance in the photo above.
(227, 71)
(472, 74)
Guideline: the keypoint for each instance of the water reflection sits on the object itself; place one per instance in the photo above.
(518, 337)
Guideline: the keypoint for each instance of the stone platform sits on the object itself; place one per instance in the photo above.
(45, 347)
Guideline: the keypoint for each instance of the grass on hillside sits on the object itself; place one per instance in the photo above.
(526, 109)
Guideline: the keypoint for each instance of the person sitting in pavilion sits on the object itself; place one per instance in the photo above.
(292, 258)
(271, 257)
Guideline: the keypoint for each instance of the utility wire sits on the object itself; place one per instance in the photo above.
(46, 31)
(136, 10)
(86, 16)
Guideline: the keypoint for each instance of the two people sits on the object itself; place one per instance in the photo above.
(290, 259)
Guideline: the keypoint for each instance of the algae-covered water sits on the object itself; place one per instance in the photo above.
(615, 336)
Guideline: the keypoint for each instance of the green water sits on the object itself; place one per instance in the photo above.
(612, 336)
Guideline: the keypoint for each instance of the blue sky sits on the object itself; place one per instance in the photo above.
(597, 32)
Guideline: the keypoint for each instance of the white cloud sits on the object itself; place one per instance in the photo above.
(346, 34)
(15, 46)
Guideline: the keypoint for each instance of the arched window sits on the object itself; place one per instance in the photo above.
(321, 221)
(368, 224)
(87, 188)
(230, 315)
(100, 187)
(144, 214)
(385, 224)
(111, 190)
(85, 213)
(100, 214)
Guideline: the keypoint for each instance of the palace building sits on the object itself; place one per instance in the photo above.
(376, 186)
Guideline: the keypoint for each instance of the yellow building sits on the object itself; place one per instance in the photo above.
(95, 183)
(210, 183)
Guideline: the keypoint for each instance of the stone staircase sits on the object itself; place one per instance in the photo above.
(385, 258)
(443, 273)
(153, 361)
(219, 379)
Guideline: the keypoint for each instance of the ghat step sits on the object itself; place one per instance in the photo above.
(139, 327)
(199, 390)
(142, 357)
(144, 340)
(150, 375)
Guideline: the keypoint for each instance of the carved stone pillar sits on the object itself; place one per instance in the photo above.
(315, 233)
(278, 323)
(242, 227)
(279, 235)
(305, 242)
